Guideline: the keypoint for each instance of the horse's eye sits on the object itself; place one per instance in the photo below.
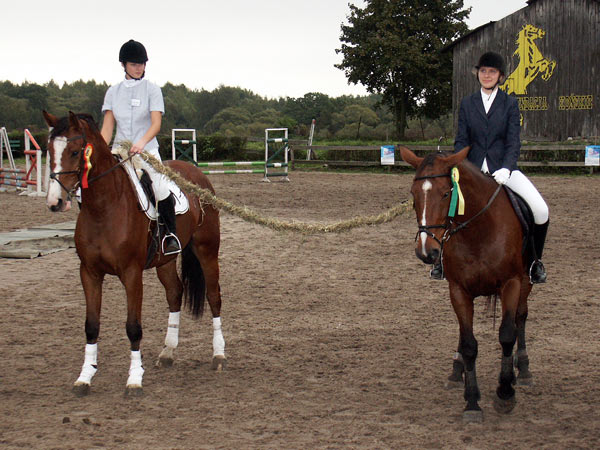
(75, 153)
(446, 195)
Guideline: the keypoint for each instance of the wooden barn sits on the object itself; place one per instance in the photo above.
(552, 52)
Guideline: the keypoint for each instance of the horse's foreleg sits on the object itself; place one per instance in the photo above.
(132, 280)
(505, 393)
(92, 288)
(463, 307)
(167, 275)
(521, 359)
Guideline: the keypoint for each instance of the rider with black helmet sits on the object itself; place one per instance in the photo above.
(136, 106)
(489, 122)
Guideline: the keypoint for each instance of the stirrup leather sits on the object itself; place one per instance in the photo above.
(172, 252)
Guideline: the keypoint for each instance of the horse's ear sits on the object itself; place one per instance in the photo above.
(50, 119)
(74, 121)
(456, 158)
(410, 157)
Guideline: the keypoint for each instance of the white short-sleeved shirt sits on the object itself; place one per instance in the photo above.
(131, 102)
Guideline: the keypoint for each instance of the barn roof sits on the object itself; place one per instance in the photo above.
(479, 28)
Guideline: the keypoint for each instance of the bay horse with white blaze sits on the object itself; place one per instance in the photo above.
(482, 254)
(113, 235)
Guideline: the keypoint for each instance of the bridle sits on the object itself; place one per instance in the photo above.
(451, 226)
(71, 192)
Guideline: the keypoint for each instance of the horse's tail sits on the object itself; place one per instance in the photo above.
(194, 286)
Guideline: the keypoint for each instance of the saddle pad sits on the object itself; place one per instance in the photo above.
(181, 202)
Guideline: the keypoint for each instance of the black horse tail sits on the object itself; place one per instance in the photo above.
(194, 285)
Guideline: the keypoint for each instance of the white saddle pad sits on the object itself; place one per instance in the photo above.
(181, 202)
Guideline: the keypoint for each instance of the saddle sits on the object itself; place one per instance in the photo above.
(525, 217)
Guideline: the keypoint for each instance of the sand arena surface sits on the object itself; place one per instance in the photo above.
(336, 341)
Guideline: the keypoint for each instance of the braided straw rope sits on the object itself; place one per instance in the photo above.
(251, 216)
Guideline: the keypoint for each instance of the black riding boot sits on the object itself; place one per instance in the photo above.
(166, 217)
(537, 272)
(437, 272)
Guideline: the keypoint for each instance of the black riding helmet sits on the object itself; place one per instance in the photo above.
(133, 52)
(492, 59)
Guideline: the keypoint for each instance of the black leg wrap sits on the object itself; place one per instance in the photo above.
(472, 393)
(507, 379)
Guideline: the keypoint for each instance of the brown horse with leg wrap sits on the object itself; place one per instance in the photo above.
(113, 236)
(482, 254)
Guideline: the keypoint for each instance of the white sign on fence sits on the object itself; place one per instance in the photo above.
(387, 155)
(592, 155)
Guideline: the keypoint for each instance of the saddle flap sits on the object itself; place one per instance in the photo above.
(523, 213)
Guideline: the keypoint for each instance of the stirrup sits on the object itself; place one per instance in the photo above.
(172, 251)
(540, 275)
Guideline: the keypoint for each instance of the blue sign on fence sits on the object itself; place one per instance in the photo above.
(592, 155)
(387, 155)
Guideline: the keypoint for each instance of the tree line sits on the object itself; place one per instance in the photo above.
(226, 111)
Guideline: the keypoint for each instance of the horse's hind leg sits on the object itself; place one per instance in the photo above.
(208, 255)
(521, 359)
(167, 274)
(92, 287)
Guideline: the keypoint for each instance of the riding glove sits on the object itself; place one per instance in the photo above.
(501, 176)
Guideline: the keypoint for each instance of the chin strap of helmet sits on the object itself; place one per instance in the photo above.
(134, 78)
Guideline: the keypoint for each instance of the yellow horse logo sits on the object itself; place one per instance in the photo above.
(531, 62)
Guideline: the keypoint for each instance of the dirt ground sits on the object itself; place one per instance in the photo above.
(336, 341)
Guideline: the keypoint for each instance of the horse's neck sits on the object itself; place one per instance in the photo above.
(109, 190)
(476, 187)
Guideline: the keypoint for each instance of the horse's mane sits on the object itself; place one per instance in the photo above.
(63, 124)
(464, 165)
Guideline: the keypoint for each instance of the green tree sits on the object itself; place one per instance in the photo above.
(394, 48)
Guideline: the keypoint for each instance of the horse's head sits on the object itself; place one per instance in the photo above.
(431, 191)
(533, 32)
(66, 142)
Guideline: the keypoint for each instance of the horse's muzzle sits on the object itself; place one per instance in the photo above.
(60, 206)
(430, 257)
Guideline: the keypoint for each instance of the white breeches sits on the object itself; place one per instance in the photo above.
(160, 183)
(525, 188)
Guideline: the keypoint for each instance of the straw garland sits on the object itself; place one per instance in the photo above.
(251, 216)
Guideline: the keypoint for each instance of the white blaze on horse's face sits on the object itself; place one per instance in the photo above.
(423, 236)
(54, 189)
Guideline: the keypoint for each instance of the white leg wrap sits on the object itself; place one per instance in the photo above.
(218, 341)
(90, 364)
(136, 371)
(172, 338)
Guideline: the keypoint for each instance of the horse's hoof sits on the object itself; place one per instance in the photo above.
(133, 391)
(454, 384)
(219, 363)
(473, 416)
(165, 359)
(81, 389)
(164, 362)
(525, 380)
(504, 406)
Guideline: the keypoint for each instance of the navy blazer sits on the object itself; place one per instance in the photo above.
(495, 135)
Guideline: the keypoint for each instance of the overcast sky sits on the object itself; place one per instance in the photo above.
(275, 48)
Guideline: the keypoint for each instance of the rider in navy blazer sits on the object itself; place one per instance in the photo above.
(493, 136)
(489, 121)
